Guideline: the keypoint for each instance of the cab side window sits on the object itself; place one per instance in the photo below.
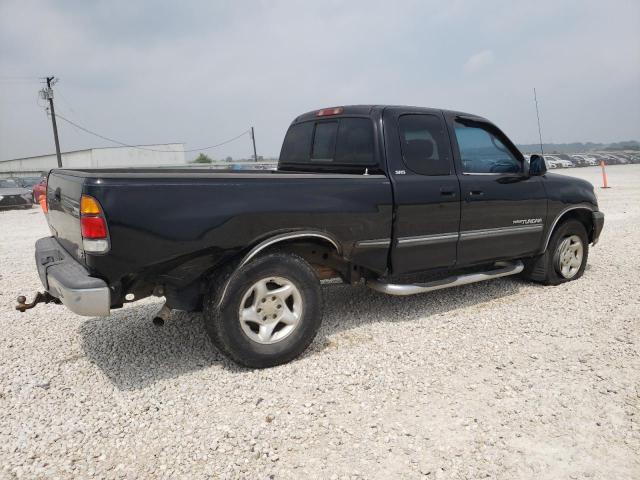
(423, 143)
(483, 152)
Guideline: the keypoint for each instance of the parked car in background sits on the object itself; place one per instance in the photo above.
(13, 195)
(551, 162)
(559, 161)
(585, 160)
(38, 189)
(26, 182)
(622, 158)
(611, 159)
(564, 156)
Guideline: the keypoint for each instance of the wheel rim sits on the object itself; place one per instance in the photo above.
(270, 310)
(568, 257)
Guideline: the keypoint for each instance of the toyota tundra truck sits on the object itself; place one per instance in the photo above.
(403, 199)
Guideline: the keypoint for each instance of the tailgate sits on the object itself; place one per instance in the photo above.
(63, 196)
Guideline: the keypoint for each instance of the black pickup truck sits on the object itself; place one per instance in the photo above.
(406, 199)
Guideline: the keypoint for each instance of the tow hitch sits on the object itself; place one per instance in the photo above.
(41, 297)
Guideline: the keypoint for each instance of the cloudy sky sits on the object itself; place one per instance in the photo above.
(201, 72)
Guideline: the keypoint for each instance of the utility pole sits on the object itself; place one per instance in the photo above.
(47, 94)
(535, 98)
(253, 139)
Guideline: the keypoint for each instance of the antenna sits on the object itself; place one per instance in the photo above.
(535, 98)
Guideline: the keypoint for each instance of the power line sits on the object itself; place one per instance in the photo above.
(64, 99)
(17, 81)
(145, 148)
(11, 77)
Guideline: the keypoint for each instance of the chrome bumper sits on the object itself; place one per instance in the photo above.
(65, 278)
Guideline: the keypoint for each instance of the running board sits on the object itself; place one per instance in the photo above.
(502, 269)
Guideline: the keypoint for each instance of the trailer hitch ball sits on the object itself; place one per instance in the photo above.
(40, 297)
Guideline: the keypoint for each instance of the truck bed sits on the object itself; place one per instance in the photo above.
(169, 225)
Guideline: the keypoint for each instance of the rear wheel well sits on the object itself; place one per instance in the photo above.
(321, 254)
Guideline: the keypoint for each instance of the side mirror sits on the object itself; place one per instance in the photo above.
(537, 166)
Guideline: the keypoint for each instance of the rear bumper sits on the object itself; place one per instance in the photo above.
(65, 278)
(598, 223)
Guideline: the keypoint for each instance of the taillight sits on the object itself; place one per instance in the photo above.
(329, 111)
(89, 206)
(93, 225)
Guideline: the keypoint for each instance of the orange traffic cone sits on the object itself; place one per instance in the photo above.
(42, 200)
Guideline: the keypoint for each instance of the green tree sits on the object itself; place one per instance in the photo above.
(202, 158)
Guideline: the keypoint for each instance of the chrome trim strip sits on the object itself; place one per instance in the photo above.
(287, 236)
(427, 239)
(382, 242)
(488, 173)
(506, 268)
(498, 232)
(562, 212)
(273, 240)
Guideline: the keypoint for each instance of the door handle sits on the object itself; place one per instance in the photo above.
(476, 193)
(447, 192)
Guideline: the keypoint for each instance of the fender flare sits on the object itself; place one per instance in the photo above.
(562, 213)
(289, 236)
(301, 234)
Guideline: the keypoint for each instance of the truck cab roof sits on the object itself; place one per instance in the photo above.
(371, 110)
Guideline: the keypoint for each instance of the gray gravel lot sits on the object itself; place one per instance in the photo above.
(503, 379)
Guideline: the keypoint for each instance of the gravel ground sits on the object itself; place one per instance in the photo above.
(504, 379)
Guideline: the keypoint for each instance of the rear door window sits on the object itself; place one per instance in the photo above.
(424, 144)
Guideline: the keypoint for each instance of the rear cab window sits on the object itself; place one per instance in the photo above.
(341, 144)
(324, 141)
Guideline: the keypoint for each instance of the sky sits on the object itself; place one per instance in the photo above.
(201, 72)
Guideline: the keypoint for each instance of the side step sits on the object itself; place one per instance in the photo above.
(502, 269)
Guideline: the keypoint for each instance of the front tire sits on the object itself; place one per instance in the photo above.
(270, 312)
(566, 256)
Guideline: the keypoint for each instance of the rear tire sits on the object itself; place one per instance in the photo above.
(270, 311)
(565, 258)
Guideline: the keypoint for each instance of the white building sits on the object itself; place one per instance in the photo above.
(171, 154)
